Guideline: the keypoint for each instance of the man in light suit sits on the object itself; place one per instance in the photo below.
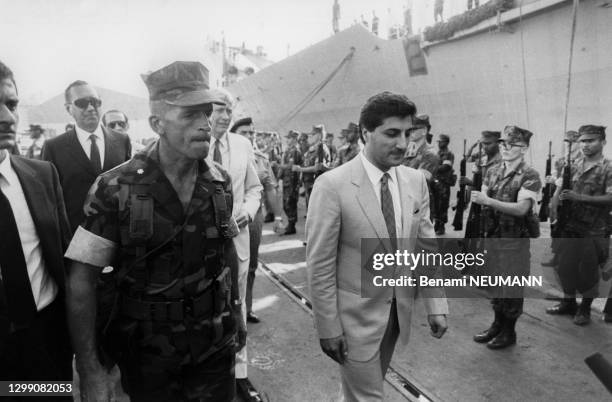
(81, 154)
(236, 154)
(34, 233)
(371, 196)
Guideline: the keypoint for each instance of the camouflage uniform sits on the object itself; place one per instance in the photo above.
(173, 330)
(318, 153)
(347, 153)
(444, 180)
(511, 256)
(291, 184)
(582, 246)
(426, 158)
(266, 177)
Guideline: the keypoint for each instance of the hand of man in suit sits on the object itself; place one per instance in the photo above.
(335, 348)
(437, 323)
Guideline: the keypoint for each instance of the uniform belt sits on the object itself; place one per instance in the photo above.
(175, 310)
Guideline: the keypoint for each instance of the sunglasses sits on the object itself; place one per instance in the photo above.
(507, 145)
(114, 124)
(83, 103)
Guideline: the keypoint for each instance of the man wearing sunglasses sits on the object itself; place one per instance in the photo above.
(177, 305)
(81, 154)
(509, 193)
(116, 121)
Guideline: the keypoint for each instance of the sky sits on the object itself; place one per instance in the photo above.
(109, 43)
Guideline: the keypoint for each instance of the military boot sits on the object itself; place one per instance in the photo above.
(568, 306)
(506, 337)
(439, 227)
(490, 333)
(269, 217)
(290, 229)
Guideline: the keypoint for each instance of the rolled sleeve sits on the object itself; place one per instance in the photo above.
(89, 248)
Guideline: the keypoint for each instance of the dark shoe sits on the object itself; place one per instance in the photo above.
(269, 217)
(551, 263)
(563, 308)
(582, 318)
(490, 333)
(252, 318)
(607, 317)
(503, 340)
(246, 391)
(507, 336)
(440, 231)
(289, 230)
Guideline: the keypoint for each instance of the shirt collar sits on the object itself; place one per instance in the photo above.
(6, 170)
(223, 140)
(84, 135)
(374, 173)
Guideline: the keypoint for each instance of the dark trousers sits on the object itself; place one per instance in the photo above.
(290, 203)
(442, 202)
(255, 228)
(41, 352)
(308, 190)
(579, 259)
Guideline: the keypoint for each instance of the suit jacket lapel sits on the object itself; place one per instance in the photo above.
(75, 150)
(367, 199)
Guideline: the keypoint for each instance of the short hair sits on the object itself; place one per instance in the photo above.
(76, 83)
(7, 74)
(383, 105)
(113, 111)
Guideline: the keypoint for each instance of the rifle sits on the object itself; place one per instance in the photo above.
(564, 211)
(475, 229)
(548, 190)
(461, 201)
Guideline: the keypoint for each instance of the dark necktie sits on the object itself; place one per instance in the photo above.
(386, 203)
(15, 279)
(217, 153)
(94, 154)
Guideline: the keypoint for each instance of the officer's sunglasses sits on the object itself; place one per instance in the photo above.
(508, 145)
(115, 124)
(83, 103)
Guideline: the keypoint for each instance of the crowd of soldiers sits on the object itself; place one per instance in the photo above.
(158, 281)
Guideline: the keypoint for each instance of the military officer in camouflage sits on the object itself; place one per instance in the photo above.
(444, 180)
(583, 238)
(421, 155)
(158, 232)
(291, 180)
(351, 149)
(509, 193)
(317, 160)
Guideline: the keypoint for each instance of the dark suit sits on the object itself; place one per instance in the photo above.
(41, 351)
(75, 170)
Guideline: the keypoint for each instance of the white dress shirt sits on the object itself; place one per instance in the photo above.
(375, 174)
(44, 287)
(85, 141)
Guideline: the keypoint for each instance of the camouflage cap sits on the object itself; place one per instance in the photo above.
(592, 130)
(491, 135)
(516, 135)
(329, 135)
(182, 83)
(572, 136)
(303, 137)
(343, 133)
(422, 121)
(293, 134)
(443, 137)
(352, 127)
